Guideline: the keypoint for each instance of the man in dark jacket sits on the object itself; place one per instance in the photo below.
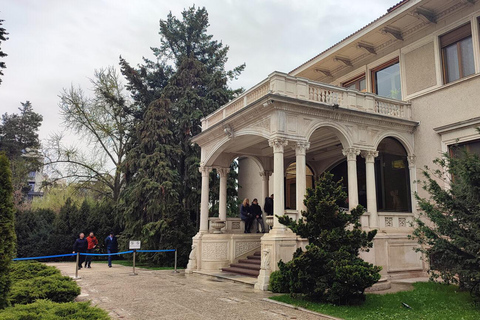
(81, 246)
(268, 206)
(112, 246)
(256, 211)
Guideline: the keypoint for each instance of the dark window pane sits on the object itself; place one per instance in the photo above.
(466, 48)
(387, 82)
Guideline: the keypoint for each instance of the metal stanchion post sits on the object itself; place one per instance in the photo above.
(134, 252)
(175, 268)
(76, 265)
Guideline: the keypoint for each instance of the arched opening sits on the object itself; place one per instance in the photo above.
(339, 171)
(392, 177)
(291, 184)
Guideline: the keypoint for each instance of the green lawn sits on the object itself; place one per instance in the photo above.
(427, 301)
(129, 263)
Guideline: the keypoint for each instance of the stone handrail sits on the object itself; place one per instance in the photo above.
(302, 89)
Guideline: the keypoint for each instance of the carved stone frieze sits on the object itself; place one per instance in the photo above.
(214, 251)
(242, 247)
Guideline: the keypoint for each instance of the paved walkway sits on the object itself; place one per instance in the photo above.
(166, 295)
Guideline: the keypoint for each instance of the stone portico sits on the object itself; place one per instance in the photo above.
(290, 130)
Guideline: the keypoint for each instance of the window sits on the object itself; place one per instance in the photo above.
(457, 54)
(386, 80)
(357, 83)
(470, 147)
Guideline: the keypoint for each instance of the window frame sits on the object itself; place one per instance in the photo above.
(381, 67)
(456, 34)
(356, 80)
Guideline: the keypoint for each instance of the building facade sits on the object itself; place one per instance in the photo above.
(374, 109)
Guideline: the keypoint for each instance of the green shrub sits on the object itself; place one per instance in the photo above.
(330, 269)
(47, 310)
(55, 287)
(278, 283)
(23, 270)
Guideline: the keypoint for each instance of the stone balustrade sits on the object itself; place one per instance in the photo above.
(302, 89)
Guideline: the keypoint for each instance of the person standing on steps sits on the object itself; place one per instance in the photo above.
(256, 211)
(80, 246)
(112, 246)
(92, 244)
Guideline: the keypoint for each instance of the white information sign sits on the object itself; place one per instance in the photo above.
(134, 244)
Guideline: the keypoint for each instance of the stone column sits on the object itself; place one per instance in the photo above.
(413, 176)
(370, 156)
(222, 206)
(205, 171)
(351, 154)
(278, 145)
(301, 182)
(265, 180)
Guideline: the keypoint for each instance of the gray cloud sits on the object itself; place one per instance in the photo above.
(54, 44)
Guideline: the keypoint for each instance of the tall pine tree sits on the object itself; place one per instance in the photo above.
(189, 70)
(152, 211)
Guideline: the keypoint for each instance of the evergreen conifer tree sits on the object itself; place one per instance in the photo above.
(449, 224)
(330, 268)
(7, 228)
(153, 213)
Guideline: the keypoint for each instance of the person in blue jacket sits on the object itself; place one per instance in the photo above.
(80, 245)
(112, 246)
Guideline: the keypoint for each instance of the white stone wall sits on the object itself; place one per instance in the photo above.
(250, 180)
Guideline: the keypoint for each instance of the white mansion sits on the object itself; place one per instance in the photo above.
(374, 109)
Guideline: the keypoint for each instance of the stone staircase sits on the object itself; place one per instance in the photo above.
(248, 267)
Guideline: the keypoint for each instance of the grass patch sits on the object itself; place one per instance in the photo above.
(128, 263)
(427, 301)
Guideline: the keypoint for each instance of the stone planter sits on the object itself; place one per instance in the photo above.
(269, 221)
(217, 226)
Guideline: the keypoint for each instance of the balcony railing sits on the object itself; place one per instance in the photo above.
(302, 89)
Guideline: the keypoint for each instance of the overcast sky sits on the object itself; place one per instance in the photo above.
(56, 43)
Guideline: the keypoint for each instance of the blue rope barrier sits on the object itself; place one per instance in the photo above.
(105, 254)
(169, 250)
(46, 257)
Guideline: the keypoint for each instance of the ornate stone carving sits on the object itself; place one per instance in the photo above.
(265, 174)
(411, 161)
(351, 153)
(242, 247)
(204, 170)
(223, 172)
(388, 221)
(265, 259)
(301, 147)
(402, 222)
(263, 124)
(217, 226)
(228, 129)
(214, 251)
(369, 155)
(235, 225)
(192, 258)
(278, 144)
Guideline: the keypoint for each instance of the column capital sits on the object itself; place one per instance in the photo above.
(351, 153)
(369, 155)
(301, 147)
(411, 161)
(204, 170)
(223, 172)
(265, 173)
(278, 144)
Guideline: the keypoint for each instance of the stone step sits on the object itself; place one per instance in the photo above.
(245, 266)
(250, 261)
(257, 253)
(248, 272)
(254, 257)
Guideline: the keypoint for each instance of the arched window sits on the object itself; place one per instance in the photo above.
(392, 177)
(291, 184)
